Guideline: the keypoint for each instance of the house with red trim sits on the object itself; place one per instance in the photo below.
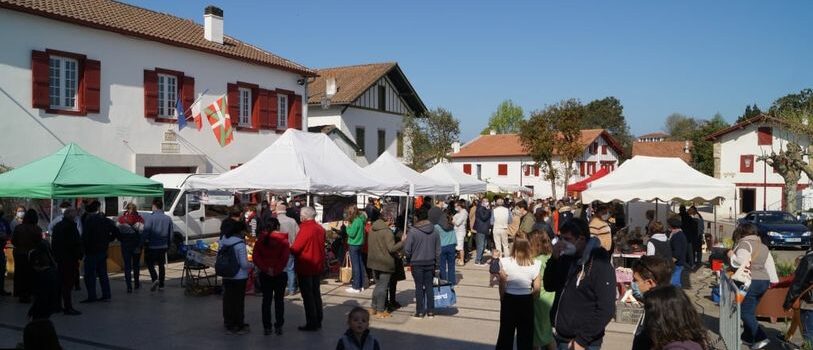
(736, 150)
(501, 159)
(106, 75)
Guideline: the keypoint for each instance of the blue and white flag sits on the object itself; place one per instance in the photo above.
(179, 113)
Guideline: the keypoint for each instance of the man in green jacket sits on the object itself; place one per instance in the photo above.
(526, 225)
(381, 255)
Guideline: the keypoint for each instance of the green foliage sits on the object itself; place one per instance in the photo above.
(680, 127)
(506, 119)
(802, 101)
(608, 113)
(750, 112)
(784, 268)
(703, 150)
(430, 137)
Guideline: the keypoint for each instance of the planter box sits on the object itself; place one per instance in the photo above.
(770, 306)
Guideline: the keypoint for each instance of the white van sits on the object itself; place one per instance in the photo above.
(200, 222)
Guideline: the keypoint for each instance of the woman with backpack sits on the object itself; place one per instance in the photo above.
(751, 253)
(232, 264)
(271, 252)
(130, 225)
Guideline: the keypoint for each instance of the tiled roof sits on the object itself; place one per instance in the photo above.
(151, 25)
(509, 145)
(662, 149)
(353, 81)
(762, 118)
(654, 135)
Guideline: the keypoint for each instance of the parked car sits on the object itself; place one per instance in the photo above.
(779, 228)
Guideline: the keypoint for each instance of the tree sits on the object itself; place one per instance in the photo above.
(538, 137)
(430, 137)
(506, 119)
(790, 164)
(680, 127)
(750, 112)
(803, 101)
(554, 131)
(702, 149)
(608, 113)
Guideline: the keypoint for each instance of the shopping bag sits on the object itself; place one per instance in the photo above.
(743, 274)
(346, 271)
(445, 296)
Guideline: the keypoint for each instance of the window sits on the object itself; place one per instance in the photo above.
(479, 171)
(382, 98)
(467, 168)
(360, 139)
(63, 82)
(399, 147)
(282, 111)
(603, 149)
(502, 169)
(747, 163)
(764, 136)
(245, 107)
(167, 95)
(591, 168)
(536, 170)
(382, 141)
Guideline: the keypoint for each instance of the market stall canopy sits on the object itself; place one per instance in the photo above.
(299, 162)
(582, 185)
(650, 178)
(72, 172)
(502, 188)
(464, 184)
(389, 167)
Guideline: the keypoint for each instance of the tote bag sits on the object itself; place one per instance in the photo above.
(346, 271)
(743, 273)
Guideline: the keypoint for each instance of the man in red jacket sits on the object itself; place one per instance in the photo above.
(309, 251)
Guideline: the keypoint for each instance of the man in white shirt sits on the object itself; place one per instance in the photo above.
(502, 218)
(289, 226)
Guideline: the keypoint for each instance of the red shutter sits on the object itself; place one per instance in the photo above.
(39, 80)
(233, 96)
(764, 136)
(603, 149)
(255, 108)
(92, 83)
(747, 164)
(272, 109)
(295, 111)
(536, 170)
(467, 168)
(188, 95)
(581, 168)
(150, 94)
(264, 105)
(527, 170)
(502, 169)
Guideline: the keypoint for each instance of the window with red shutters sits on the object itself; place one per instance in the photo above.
(467, 168)
(747, 163)
(764, 136)
(162, 88)
(76, 85)
(591, 168)
(603, 149)
(502, 169)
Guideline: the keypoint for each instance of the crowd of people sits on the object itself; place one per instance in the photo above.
(551, 260)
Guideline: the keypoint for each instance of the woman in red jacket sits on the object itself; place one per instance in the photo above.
(271, 253)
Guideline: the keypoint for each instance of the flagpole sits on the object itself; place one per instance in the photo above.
(193, 103)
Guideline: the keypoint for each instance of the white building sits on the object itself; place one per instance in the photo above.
(736, 150)
(501, 159)
(369, 106)
(105, 75)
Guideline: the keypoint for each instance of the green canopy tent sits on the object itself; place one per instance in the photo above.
(72, 172)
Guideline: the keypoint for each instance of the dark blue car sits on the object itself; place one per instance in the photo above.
(779, 228)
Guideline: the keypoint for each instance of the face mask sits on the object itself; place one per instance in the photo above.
(636, 292)
(393, 229)
(570, 248)
(605, 217)
(62, 210)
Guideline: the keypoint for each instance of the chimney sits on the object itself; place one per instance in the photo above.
(455, 147)
(686, 147)
(492, 132)
(213, 24)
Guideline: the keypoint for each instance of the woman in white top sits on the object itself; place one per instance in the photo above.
(460, 229)
(750, 251)
(520, 281)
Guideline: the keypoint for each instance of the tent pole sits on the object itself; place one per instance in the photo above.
(186, 219)
(716, 236)
(406, 213)
(656, 209)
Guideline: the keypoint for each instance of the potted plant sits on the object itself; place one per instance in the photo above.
(770, 306)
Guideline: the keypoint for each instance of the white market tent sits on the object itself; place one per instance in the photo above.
(389, 167)
(653, 178)
(300, 162)
(464, 184)
(503, 188)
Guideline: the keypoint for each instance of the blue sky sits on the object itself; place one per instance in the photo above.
(692, 57)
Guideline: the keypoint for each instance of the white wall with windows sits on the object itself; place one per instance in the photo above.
(119, 133)
(371, 121)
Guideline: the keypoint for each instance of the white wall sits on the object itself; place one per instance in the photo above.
(744, 142)
(120, 131)
(370, 120)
